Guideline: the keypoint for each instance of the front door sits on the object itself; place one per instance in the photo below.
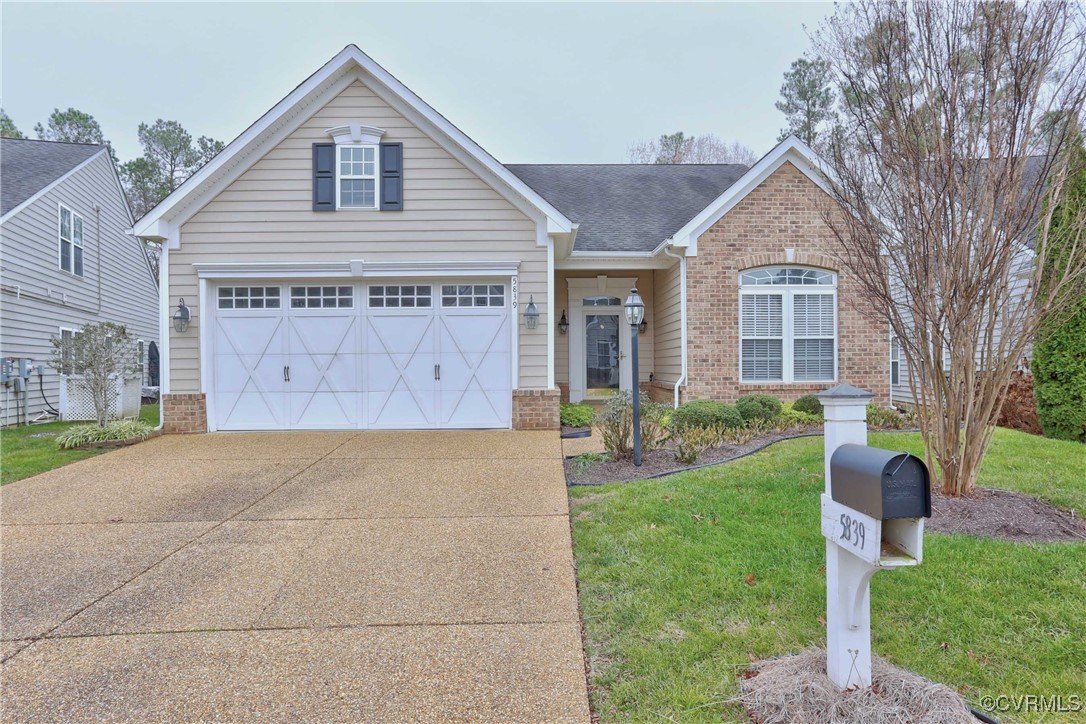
(600, 352)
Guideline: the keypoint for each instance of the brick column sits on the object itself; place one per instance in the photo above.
(184, 413)
(536, 409)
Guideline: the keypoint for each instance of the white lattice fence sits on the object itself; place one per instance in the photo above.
(76, 402)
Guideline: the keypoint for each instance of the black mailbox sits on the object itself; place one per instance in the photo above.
(881, 483)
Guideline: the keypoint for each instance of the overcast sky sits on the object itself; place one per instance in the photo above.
(558, 83)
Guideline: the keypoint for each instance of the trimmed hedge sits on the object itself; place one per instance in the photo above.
(758, 407)
(808, 404)
(575, 414)
(705, 414)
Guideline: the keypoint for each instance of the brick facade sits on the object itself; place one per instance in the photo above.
(784, 212)
(536, 409)
(186, 413)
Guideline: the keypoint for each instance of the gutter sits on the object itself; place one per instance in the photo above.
(682, 318)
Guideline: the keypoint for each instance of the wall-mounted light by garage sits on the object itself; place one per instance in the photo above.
(182, 316)
(531, 315)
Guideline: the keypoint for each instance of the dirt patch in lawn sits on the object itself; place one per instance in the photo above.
(1005, 515)
(663, 462)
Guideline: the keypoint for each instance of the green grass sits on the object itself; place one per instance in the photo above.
(26, 451)
(685, 580)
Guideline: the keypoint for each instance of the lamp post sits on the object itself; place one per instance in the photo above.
(635, 314)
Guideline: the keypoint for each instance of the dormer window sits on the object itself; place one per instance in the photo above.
(356, 177)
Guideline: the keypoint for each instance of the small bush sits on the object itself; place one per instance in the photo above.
(576, 414)
(758, 407)
(691, 442)
(791, 418)
(808, 404)
(887, 418)
(705, 414)
(1019, 408)
(117, 430)
(584, 461)
(615, 423)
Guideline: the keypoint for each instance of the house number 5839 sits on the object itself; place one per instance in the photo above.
(853, 531)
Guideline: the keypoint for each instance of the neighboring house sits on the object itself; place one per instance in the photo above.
(65, 260)
(353, 260)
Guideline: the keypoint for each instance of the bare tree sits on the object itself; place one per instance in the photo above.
(104, 355)
(958, 122)
(680, 148)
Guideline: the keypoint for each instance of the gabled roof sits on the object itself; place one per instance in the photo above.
(28, 167)
(790, 150)
(347, 66)
(628, 207)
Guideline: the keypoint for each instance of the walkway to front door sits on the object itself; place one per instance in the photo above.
(328, 576)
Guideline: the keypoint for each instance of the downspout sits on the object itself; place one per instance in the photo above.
(98, 250)
(682, 319)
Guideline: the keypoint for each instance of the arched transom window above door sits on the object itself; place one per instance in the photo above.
(787, 325)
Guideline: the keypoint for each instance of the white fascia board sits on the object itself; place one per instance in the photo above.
(789, 150)
(46, 189)
(353, 269)
(186, 199)
(613, 262)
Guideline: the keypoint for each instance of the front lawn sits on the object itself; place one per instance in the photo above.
(26, 451)
(684, 580)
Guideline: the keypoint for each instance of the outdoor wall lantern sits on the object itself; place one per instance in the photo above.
(635, 315)
(563, 323)
(641, 328)
(182, 316)
(531, 315)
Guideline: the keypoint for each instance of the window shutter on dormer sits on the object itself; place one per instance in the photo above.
(324, 177)
(391, 177)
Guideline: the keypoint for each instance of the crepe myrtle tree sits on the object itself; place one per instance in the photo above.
(104, 355)
(958, 125)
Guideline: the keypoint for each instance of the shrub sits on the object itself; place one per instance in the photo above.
(576, 414)
(705, 414)
(808, 404)
(887, 418)
(691, 442)
(1059, 377)
(1019, 409)
(615, 423)
(584, 461)
(791, 418)
(758, 407)
(117, 430)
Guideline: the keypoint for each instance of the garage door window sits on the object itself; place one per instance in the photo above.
(248, 297)
(321, 297)
(401, 296)
(473, 295)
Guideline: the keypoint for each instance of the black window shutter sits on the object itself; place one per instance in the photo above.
(324, 177)
(391, 177)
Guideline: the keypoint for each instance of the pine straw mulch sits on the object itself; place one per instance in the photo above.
(796, 690)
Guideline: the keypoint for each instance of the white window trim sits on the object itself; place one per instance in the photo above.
(61, 208)
(787, 292)
(376, 177)
(74, 331)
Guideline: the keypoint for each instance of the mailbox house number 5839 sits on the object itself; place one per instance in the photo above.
(853, 531)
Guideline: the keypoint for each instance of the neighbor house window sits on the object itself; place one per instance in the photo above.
(356, 177)
(70, 253)
(895, 361)
(67, 350)
(788, 325)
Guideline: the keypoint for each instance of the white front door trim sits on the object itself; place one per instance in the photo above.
(579, 289)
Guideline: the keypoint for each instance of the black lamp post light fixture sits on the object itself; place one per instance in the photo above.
(563, 323)
(182, 316)
(635, 316)
(531, 314)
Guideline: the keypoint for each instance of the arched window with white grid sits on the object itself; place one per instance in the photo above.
(787, 325)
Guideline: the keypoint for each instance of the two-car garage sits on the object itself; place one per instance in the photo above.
(400, 354)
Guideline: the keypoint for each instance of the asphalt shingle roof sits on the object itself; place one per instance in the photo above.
(628, 207)
(26, 167)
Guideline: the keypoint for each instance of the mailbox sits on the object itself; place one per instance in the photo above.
(880, 483)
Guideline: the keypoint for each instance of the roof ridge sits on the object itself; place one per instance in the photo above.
(59, 143)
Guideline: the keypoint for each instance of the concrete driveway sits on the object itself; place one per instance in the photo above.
(331, 576)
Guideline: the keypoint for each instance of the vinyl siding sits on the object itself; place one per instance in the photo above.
(667, 283)
(645, 342)
(449, 214)
(48, 298)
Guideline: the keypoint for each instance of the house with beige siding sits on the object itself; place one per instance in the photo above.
(355, 261)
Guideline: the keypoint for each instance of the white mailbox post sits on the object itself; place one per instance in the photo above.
(888, 534)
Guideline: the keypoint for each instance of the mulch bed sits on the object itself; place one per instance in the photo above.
(987, 513)
(1005, 515)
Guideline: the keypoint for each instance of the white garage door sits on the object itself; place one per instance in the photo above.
(395, 356)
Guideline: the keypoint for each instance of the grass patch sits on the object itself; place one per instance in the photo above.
(27, 451)
(684, 580)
